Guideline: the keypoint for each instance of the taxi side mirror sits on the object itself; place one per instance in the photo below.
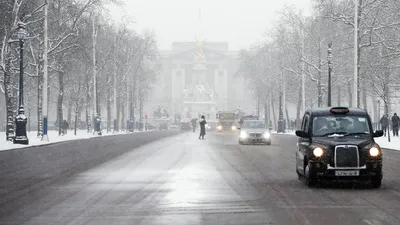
(378, 133)
(302, 134)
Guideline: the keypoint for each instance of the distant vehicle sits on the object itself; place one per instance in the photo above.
(186, 125)
(163, 126)
(226, 121)
(212, 125)
(173, 126)
(254, 131)
(338, 143)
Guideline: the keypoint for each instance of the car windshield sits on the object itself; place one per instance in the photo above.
(253, 124)
(228, 116)
(340, 125)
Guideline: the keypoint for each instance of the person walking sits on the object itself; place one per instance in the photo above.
(384, 123)
(395, 124)
(202, 127)
(194, 122)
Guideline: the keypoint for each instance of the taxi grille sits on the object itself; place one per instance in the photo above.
(346, 156)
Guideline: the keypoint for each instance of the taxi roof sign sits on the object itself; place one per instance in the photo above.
(340, 110)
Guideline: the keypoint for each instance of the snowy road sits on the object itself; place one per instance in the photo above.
(181, 180)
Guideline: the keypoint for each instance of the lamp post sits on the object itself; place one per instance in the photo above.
(329, 75)
(21, 120)
(379, 114)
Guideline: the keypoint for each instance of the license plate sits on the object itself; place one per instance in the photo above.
(347, 173)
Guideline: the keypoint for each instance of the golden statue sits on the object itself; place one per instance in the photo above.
(199, 57)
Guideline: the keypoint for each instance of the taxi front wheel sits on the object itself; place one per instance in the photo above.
(309, 179)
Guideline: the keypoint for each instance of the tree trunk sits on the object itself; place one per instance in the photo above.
(123, 117)
(319, 79)
(60, 101)
(88, 100)
(299, 103)
(10, 133)
(287, 117)
(274, 113)
(350, 93)
(40, 101)
(109, 109)
(118, 113)
(364, 91)
(69, 115)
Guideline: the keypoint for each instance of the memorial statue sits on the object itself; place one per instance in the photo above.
(199, 58)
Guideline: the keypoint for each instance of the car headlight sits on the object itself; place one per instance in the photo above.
(219, 127)
(243, 135)
(318, 152)
(374, 151)
(233, 128)
(267, 135)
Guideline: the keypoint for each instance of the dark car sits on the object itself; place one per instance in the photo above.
(186, 125)
(338, 144)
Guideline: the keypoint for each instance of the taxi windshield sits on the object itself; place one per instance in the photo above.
(253, 124)
(340, 125)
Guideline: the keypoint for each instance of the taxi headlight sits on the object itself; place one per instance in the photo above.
(243, 135)
(374, 151)
(318, 152)
(267, 135)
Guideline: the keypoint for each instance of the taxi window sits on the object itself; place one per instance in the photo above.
(328, 125)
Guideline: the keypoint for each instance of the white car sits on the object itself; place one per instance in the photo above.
(254, 131)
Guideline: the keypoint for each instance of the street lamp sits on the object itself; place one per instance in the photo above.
(379, 114)
(330, 74)
(21, 120)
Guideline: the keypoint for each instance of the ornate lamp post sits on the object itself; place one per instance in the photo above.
(21, 120)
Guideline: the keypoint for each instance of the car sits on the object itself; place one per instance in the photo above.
(185, 126)
(337, 143)
(163, 126)
(254, 131)
(211, 125)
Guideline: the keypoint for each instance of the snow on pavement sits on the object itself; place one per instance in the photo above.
(53, 138)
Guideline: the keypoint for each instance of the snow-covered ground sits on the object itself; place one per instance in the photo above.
(394, 143)
(53, 138)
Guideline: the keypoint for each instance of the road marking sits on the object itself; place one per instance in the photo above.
(368, 222)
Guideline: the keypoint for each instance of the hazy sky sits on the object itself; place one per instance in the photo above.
(238, 22)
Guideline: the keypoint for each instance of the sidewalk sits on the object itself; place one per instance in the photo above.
(394, 143)
(53, 138)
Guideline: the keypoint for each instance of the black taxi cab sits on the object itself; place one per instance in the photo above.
(338, 143)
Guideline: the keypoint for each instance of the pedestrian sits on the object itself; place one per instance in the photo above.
(395, 124)
(194, 122)
(202, 127)
(65, 127)
(384, 123)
